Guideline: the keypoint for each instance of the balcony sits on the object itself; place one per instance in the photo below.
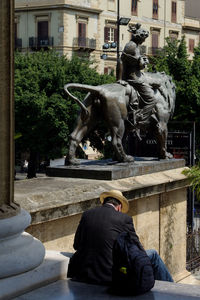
(18, 43)
(154, 51)
(84, 43)
(38, 43)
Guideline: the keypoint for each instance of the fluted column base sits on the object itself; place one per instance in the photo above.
(19, 251)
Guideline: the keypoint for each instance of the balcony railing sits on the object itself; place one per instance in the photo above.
(85, 43)
(155, 51)
(18, 43)
(40, 42)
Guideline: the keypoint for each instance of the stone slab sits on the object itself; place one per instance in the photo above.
(54, 267)
(109, 170)
(71, 290)
(51, 198)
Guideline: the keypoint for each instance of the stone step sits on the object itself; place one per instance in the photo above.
(71, 290)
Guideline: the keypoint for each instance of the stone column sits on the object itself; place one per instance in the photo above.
(19, 251)
(7, 206)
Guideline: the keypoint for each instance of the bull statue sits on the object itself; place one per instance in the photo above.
(138, 101)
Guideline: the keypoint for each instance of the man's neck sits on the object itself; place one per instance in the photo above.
(112, 205)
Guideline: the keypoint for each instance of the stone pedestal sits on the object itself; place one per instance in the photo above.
(157, 205)
(19, 251)
(109, 170)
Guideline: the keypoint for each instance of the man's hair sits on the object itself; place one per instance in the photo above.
(111, 200)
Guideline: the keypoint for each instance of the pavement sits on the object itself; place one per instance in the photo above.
(71, 290)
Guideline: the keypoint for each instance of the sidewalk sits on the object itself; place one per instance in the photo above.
(193, 279)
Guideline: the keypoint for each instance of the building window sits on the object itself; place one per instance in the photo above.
(155, 9)
(109, 70)
(110, 34)
(15, 30)
(18, 42)
(134, 7)
(174, 11)
(191, 45)
(81, 34)
(173, 35)
(154, 42)
(43, 33)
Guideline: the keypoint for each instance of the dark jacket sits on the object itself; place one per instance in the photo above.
(94, 240)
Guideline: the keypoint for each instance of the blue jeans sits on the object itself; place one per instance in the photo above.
(160, 270)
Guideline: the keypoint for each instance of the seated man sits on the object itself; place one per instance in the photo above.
(94, 239)
(133, 62)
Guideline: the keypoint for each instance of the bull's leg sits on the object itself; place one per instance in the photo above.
(82, 129)
(70, 158)
(117, 133)
(161, 136)
(76, 137)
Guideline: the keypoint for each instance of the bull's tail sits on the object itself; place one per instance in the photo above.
(83, 87)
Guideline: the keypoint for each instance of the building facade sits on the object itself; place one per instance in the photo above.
(89, 27)
(191, 25)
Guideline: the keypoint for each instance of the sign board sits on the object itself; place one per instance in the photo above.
(179, 144)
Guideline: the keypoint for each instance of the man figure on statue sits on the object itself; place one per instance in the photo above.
(132, 62)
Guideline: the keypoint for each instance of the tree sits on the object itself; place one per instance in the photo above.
(186, 74)
(44, 115)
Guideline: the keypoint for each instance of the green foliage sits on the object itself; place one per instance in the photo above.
(193, 174)
(17, 135)
(186, 75)
(44, 115)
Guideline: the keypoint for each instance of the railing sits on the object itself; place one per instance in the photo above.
(193, 243)
(40, 42)
(84, 43)
(18, 43)
(155, 51)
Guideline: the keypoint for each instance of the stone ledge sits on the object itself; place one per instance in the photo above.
(54, 267)
(52, 198)
(70, 290)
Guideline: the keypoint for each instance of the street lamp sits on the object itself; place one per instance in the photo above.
(120, 21)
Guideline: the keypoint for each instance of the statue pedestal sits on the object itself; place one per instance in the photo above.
(158, 202)
(19, 251)
(109, 170)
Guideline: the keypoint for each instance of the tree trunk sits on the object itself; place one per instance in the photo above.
(32, 165)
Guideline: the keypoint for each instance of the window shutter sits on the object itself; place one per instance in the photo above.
(43, 29)
(82, 34)
(16, 31)
(105, 70)
(154, 43)
(173, 11)
(191, 45)
(82, 30)
(134, 7)
(115, 35)
(155, 9)
(154, 40)
(106, 37)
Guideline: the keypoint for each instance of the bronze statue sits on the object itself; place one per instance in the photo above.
(137, 101)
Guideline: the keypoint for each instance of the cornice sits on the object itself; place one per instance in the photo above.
(59, 6)
(187, 27)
